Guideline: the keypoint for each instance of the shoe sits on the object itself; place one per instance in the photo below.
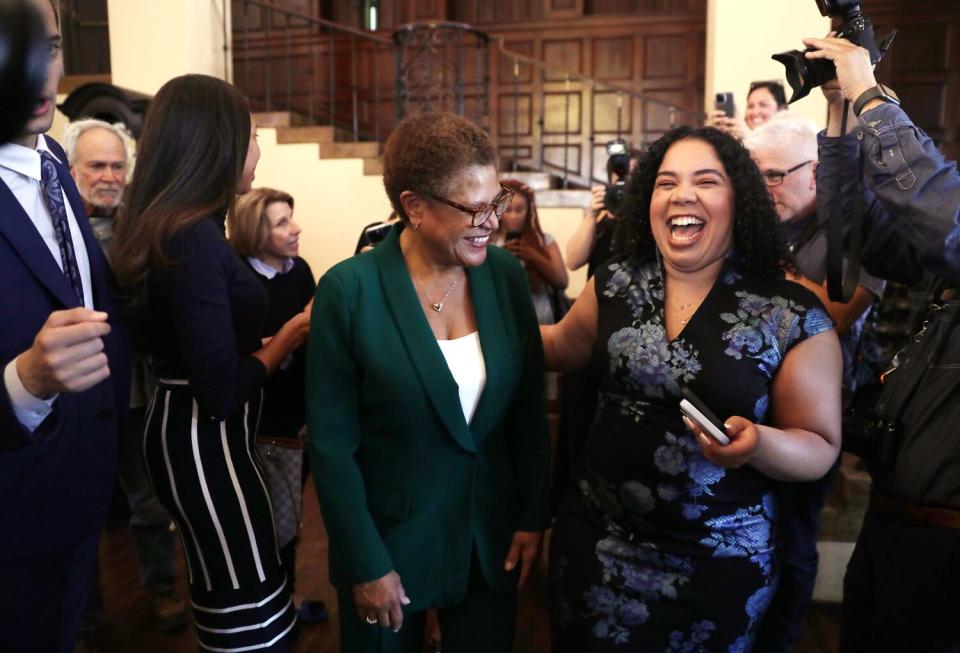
(87, 641)
(170, 610)
(313, 612)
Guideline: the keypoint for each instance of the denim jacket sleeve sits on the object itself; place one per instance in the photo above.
(911, 199)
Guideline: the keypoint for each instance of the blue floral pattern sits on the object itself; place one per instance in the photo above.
(653, 524)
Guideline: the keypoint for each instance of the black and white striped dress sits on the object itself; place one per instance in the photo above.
(206, 313)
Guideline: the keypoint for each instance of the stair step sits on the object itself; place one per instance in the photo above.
(312, 134)
(279, 119)
(535, 180)
(349, 150)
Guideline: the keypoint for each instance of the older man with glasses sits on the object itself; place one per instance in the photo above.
(785, 150)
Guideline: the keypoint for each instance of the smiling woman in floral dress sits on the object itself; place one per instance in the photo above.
(668, 544)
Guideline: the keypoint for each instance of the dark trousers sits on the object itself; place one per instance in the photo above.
(483, 622)
(798, 519)
(902, 588)
(42, 598)
(153, 540)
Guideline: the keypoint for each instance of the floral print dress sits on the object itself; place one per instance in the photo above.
(659, 549)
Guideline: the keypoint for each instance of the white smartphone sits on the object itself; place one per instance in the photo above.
(692, 407)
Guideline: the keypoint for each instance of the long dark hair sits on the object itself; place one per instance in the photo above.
(755, 218)
(191, 155)
(531, 233)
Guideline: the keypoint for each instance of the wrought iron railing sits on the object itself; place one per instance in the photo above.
(432, 70)
(336, 75)
(330, 73)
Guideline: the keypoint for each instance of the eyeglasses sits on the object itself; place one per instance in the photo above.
(775, 177)
(480, 214)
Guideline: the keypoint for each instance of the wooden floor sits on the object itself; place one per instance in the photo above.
(128, 622)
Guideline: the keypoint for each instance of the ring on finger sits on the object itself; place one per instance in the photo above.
(371, 620)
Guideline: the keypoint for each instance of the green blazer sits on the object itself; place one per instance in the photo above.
(404, 482)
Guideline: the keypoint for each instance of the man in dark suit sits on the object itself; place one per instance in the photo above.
(64, 389)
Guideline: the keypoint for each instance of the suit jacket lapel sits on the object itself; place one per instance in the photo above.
(421, 344)
(19, 230)
(496, 356)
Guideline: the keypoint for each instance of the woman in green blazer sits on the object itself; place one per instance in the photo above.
(426, 418)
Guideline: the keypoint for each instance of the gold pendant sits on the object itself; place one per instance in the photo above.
(437, 307)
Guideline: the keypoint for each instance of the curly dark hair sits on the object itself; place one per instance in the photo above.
(755, 221)
(425, 152)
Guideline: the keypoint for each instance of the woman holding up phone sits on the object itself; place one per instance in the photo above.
(521, 235)
(667, 539)
(764, 100)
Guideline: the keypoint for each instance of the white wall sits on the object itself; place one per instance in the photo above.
(153, 41)
(741, 37)
(333, 199)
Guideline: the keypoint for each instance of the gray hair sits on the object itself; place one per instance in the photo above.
(76, 129)
(786, 130)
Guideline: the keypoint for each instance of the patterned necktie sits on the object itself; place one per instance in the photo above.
(53, 196)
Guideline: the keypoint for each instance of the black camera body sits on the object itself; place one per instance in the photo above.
(23, 65)
(613, 197)
(804, 75)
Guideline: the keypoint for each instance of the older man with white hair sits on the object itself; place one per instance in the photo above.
(100, 156)
(785, 150)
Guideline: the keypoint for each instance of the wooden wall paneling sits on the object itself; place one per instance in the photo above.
(558, 104)
(514, 115)
(922, 67)
(613, 58)
(562, 8)
(564, 55)
(656, 117)
(553, 158)
(86, 37)
(923, 47)
(425, 10)
(507, 70)
(665, 56)
(508, 154)
(605, 109)
(660, 56)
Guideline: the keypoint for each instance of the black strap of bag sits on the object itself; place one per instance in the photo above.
(842, 283)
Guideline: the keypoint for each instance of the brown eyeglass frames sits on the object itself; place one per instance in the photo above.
(480, 214)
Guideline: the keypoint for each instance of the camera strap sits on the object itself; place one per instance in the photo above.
(842, 283)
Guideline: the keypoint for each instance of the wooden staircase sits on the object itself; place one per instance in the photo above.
(336, 143)
(332, 142)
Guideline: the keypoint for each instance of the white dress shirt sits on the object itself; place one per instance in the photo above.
(20, 171)
(269, 271)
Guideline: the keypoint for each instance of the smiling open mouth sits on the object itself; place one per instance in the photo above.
(478, 240)
(685, 227)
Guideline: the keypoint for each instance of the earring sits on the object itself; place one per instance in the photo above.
(416, 225)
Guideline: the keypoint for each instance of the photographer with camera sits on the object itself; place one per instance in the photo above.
(593, 241)
(902, 586)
